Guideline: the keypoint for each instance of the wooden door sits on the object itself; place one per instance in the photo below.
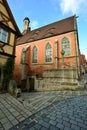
(32, 82)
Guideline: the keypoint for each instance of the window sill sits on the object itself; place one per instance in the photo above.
(48, 63)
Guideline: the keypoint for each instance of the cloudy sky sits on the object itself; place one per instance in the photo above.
(43, 12)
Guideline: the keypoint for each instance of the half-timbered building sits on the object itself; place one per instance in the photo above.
(9, 31)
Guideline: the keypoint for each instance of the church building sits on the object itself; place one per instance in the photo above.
(47, 51)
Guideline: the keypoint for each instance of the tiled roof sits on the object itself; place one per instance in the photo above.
(53, 29)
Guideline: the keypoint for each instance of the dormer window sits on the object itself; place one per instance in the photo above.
(3, 35)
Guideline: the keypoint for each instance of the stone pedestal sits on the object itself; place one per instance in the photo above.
(58, 79)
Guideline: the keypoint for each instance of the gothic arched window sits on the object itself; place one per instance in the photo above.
(48, 53)
(34, 54)
(65, 45)
(23, 55)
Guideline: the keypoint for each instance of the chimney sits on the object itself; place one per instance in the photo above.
(26, 27)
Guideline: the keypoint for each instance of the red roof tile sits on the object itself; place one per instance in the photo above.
(53, 29)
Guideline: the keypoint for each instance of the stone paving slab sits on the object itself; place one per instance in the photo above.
(69, 114)
(11, 112)
(14, 112)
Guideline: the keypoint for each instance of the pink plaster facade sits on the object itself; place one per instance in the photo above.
(41, 65)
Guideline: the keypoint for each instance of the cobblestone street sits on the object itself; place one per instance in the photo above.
(64, 110)
(70, 114)
(43, 65)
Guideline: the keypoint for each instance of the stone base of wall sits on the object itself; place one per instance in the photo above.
(66, 79)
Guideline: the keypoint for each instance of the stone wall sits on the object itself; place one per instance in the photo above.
(58, 79)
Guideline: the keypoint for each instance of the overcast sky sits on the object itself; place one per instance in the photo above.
(43, 12)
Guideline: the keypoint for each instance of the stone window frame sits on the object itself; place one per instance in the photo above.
(66, 46)
(35, 54)
(48, 53)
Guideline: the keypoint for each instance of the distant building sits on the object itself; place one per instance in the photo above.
(51, 47)
(83, 63)
(8, 34)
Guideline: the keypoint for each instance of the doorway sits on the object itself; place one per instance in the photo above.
(32, 83)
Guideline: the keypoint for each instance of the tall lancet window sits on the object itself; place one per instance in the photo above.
(65, 45)
(34, 54)
(48, 53)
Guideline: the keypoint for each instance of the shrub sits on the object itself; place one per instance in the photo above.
(8, 71)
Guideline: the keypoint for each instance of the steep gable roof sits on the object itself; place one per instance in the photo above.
(18, 33)
(53, 29)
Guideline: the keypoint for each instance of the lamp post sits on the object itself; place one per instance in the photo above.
(62, 53)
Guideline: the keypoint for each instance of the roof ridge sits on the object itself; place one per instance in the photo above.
(53, 23)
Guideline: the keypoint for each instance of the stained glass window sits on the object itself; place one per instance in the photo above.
(65, 45)
(48, 53)
(34, 54)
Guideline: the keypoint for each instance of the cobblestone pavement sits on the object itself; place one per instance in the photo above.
(58, 110)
